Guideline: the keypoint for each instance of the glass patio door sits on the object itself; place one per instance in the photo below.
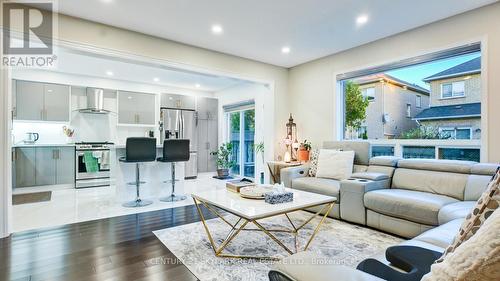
(241, 132)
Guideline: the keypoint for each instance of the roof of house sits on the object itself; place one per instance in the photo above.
(450, 112)
(469, 67)
(391, 79)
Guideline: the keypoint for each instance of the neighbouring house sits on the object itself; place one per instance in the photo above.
(393, 105)
(455, 104)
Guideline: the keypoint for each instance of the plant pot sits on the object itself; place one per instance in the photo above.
(222, 173)
(303, 155)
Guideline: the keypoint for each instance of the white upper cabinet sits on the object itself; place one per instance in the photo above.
(56, 102)
(178, 101)
(136, 108)
(41, 101)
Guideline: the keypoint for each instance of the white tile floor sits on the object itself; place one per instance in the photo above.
(69, 205)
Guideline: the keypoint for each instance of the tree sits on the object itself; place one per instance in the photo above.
(356, 104)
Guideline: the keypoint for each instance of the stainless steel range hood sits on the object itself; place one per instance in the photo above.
(95, 102)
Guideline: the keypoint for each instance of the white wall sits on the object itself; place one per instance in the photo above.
(90, 127)
(264, 117)
(313, 91)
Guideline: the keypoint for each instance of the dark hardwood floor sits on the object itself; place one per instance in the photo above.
(120, 248)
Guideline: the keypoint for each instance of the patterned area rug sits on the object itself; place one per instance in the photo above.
(341, 243)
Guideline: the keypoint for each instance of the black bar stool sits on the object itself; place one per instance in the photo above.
(139, 150)
(174, 150)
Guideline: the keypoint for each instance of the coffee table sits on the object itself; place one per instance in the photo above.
(250, 212)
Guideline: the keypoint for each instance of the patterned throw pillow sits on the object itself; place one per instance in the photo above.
(313, 166)
(485, 206)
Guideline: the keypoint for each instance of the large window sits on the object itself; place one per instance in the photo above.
(418, 100)
(453, 90)
(241, 132)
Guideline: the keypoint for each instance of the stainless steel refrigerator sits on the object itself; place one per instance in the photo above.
(181, 124)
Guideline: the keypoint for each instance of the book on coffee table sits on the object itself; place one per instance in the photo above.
(236, 185)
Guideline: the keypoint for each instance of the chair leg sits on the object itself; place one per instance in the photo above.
(173, 197)
(138, 202)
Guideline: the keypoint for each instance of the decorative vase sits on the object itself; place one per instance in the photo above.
(303, 155)
(222, 173)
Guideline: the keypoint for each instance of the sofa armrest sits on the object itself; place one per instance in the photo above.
(287, 175)
(352, 192)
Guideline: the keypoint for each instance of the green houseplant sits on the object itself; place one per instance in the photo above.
(224, 162)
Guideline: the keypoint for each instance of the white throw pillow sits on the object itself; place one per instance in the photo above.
(334, 164)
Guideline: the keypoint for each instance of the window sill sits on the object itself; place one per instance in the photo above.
(451, 98)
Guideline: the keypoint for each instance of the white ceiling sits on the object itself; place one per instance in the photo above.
(90, 65)
(258, 29)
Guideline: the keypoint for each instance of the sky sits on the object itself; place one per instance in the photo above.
(415, 74)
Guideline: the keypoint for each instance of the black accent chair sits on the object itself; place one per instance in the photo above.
(174, 150)
(414, 261)
(139, 150)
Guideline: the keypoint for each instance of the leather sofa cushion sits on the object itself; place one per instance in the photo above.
(451, 166)
(415, 206)
(486, 169)
(458, 210)
(389, 161)
(361, 149)
(370, 176)
(327, 187)
(449, 184)
(441, 236)
(476, 185)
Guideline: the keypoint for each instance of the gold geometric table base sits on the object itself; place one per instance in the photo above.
(242, 223)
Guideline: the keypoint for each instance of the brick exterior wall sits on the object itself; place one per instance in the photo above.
(472, 91)
(391, 99)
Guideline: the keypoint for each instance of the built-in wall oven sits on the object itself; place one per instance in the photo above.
(92, 164)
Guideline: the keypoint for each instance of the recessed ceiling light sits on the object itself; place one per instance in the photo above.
(156, 79)
(362, 19)
(217, 29)
(285, 50)
(197, 85)
(109, 73)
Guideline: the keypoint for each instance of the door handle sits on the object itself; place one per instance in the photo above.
(41, 114)
(138, 118)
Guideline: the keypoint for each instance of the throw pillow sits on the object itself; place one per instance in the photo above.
(485, 206)
(334, 164)
(476, 259)
(313, 159)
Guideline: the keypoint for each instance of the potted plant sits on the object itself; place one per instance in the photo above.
(224, 162)
(304, 149)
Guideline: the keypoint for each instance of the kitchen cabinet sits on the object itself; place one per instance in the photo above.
(207, 143)
(177, 101)
(41, 101)
(136, 108)
(207, 108)
(44, 165)
(65, 165)
(24, 163)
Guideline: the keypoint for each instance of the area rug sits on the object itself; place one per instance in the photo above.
(339, 242)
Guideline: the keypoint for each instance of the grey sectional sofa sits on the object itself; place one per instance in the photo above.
(426, 200)
(401, 196)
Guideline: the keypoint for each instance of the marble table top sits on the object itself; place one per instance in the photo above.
(253, 209)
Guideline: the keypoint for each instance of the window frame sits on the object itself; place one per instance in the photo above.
(364, 92)
(454, 131)
(408, 110)
(452, 83)
(418, 101)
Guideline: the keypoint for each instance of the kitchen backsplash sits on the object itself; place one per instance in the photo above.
(88, 127)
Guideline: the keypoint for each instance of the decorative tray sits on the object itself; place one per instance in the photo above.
(255, 192)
